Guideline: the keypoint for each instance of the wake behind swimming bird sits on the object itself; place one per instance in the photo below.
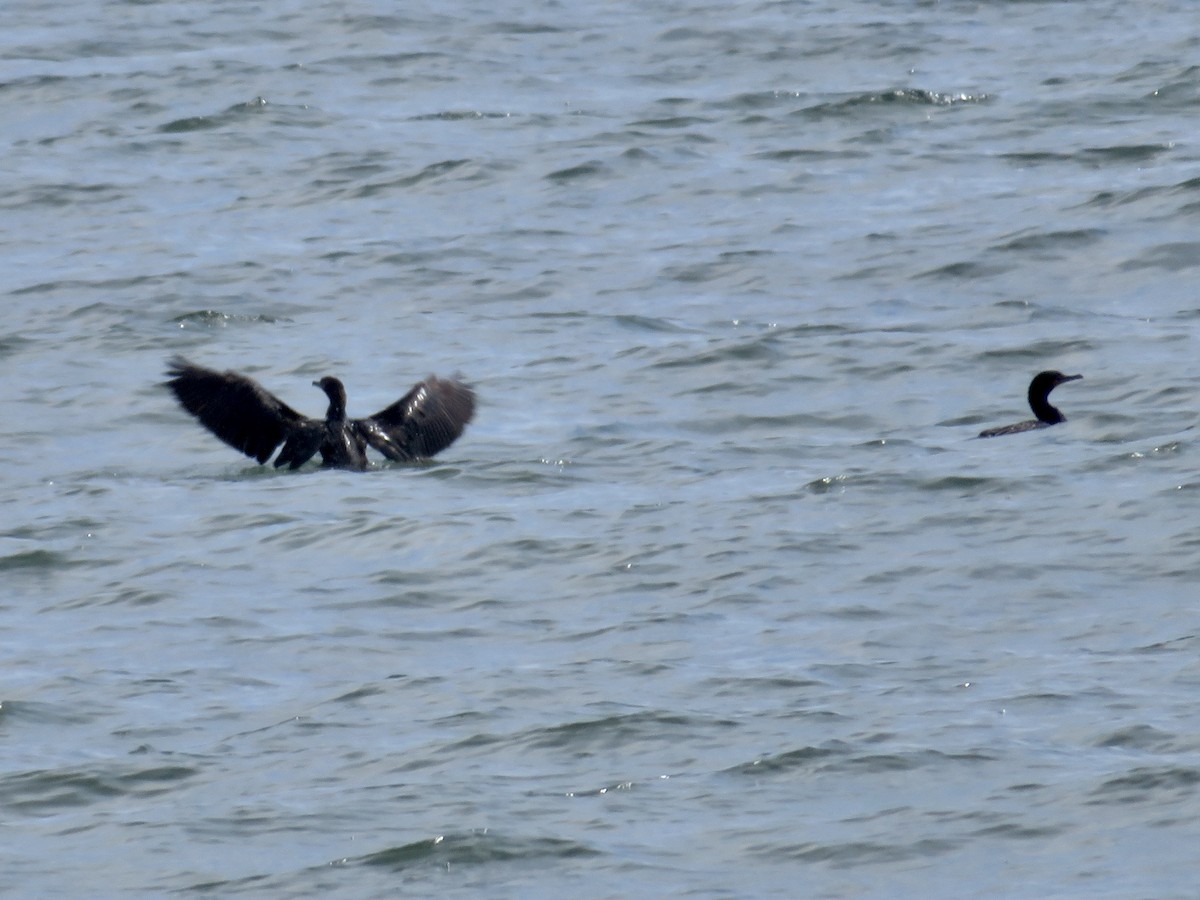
(249, 418)
(1039, 401)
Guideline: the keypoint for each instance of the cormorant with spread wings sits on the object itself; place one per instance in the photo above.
(242, 413)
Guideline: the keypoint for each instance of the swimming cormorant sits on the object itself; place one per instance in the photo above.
(1039, 392)
(249, 418)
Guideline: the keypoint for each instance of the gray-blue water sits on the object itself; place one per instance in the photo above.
(718, 596)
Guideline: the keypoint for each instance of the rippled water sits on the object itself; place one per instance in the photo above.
(718, 596)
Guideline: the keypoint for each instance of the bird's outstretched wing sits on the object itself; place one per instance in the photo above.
(243, 414)
(425, 421)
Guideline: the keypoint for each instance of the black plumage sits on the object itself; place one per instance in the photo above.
(242, 413)
(1039, 401)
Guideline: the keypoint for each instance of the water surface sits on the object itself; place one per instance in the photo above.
(719, 596)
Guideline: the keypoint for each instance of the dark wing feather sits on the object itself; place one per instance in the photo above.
(302, 443)
(425, 421)
(1013, 429)
(235, 408)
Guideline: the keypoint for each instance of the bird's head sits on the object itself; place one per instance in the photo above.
(336, 392)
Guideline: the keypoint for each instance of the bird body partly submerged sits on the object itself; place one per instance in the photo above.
(1039, 401)
(242, 413)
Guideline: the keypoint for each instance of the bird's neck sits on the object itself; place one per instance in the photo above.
(1045, 412)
